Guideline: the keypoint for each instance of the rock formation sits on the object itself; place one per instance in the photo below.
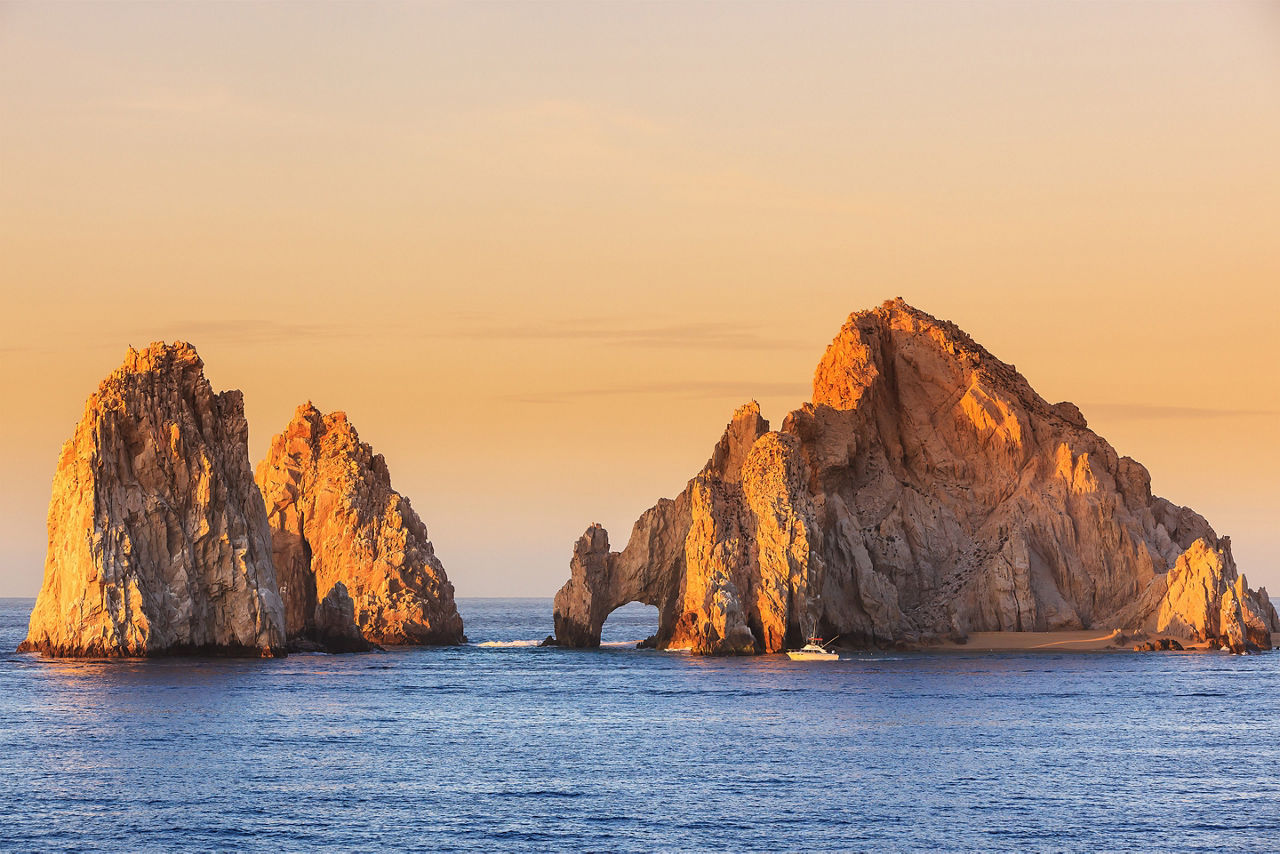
(335, 628)
(336, 521)
(925, 491)
(158, 540)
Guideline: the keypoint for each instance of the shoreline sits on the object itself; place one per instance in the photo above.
(1064, 641)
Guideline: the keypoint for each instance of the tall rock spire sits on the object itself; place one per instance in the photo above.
(158, 540)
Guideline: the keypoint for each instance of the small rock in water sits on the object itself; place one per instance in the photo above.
(1160, 645)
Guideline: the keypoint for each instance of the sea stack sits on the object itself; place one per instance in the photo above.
(926, 491)
(158, 539)
(336, 522)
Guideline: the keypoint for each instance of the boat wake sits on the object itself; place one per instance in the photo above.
(508, 644)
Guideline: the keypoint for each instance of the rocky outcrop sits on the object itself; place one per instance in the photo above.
(158, 540)
(1203, 598)
(335, 628)
(729, 556)
(925, 491)
(729, 563)
(1161, 645)
(335, 520)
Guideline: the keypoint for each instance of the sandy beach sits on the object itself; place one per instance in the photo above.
(1093, 640)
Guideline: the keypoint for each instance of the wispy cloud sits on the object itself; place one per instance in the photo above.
(199, 333)
(709, 335)
(573, 115)
(715, 389)
(244, 331)
(172, 102)
(1150, 412)
(215, 105)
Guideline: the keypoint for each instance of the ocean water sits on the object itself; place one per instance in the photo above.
(501, 746)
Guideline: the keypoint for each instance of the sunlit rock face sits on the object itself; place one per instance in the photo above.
(158, 540)
(336, 520)
(925, 491)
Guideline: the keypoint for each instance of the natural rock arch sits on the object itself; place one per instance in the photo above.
(723, 562)
(926, 490)
(602, 582)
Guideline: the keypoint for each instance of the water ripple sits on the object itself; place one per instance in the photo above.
(514, 747)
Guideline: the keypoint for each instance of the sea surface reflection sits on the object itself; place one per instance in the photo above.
(505, 745)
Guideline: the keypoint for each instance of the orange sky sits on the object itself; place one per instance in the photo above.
(540, 251)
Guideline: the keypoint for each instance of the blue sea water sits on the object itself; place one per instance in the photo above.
(514, 747)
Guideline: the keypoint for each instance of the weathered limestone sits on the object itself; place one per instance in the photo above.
(158, 540)
(926, 490)
(336, 521)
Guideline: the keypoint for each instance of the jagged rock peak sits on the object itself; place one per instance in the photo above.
(864, 349)
(159, 356)
(158, 541)
(336, 519)
(926, 490)
(731, 451)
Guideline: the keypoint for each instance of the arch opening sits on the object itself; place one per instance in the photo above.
(628, 625)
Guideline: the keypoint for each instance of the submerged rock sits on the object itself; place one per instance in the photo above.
(336, 521)
(158, 540)
(925, 490)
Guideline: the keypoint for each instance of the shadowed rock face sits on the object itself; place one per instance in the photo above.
(158, 540)
(336, 520)
(335, 626)
(926, 490)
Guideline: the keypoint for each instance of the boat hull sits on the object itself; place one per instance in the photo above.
(803, 655)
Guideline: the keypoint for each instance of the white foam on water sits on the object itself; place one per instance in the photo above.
(509, 644)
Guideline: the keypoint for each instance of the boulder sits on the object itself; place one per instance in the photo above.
(1159, 645)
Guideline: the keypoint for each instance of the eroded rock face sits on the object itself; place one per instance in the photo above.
(926, 490)
(336, 520)
(158, 540)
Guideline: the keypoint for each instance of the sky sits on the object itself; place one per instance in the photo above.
(539, 252)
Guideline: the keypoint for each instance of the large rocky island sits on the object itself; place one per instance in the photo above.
(160, 544)
(925, 492)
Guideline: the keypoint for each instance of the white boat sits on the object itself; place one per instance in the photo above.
(813, 651)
